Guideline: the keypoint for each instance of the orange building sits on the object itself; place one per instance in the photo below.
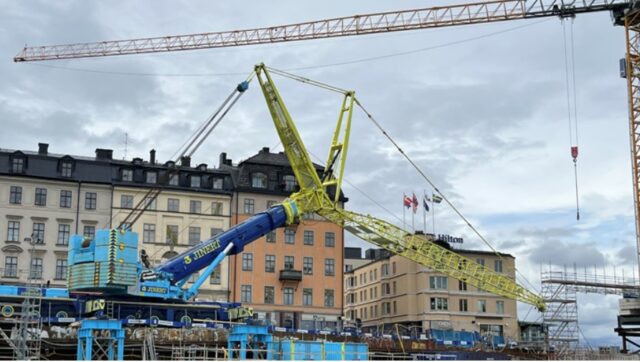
(292, 277)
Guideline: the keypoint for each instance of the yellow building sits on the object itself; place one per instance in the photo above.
(392, 290)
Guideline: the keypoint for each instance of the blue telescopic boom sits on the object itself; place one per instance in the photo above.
(203, 254)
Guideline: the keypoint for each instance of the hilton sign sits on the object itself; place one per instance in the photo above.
(450, 239)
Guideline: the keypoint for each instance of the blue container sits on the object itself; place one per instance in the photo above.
(321, 350)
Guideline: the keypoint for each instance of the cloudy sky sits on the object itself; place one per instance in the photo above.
(481, 109)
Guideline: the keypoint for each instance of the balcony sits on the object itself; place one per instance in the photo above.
(290, 275)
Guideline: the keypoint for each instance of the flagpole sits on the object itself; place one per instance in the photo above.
(433, 216)
(424, 211)
(404, 211)
(413, 220)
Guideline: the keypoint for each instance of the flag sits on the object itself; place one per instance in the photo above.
(436, 199)
(406, 201)
(424, 202)
(415, 203)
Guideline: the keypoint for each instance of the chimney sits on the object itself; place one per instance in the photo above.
(43, 148)
(104, 154)
(152, 157)
(265, 150)
(223, 159)
(185, 161)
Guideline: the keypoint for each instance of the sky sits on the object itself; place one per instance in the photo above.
(481, 109)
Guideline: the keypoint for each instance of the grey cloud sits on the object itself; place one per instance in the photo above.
(560, 253)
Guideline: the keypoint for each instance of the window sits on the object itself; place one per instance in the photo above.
(269, 295)
(36, 268)
(149, 233)
(173, 205)
(65, 198)
(386, 308)
(289, 236)
(289, 183)
(249, 206)
(330, 239)
(271, 237)
(215, 231)
(64, 231)
(288, 296)
(247, 261)
(66, 169)
(11, 266)
(245, 294)
(218, 183)
(259, 180)
(61, 269)
(172, 234)
(13, 231)
(393, 268)
(307, 296)
(90, 200)
(386, 289)
(438, 282)
(439, 304)
(289, 262)
(41, 197)
(270, 263)
(482, 306)
(308, 237)
(497, 266)
(394, 288)
(216, 276)
(38, 233)
(395, 307)
(193, 277)
(90, 231)
(194, 235)
(195, 207)
(480, 261)
(15, 195)
(174, 180)
(329, 298)
(195, 181)
(384, 270)
(127, 175)
(152, 177)
(329, 267)
(307, 265)
(150, 203)
(463, 305)
(500, 307)
(462, 285)
(216, 208)
(17, 165)
(126, 201)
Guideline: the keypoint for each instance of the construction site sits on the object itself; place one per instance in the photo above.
(320, 182)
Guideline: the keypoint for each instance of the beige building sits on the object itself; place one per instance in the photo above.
(393, 290)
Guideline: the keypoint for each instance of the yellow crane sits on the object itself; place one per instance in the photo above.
(313, 196)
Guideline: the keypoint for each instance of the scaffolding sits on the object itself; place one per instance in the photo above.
(559, 289)
(28, 326)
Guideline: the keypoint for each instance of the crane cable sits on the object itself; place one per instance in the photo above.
(572, 89)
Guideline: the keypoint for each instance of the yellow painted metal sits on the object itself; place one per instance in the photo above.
(313, 198)
(339, 145)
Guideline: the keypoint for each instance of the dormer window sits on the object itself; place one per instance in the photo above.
(137, 161)
(152, 177)
(202, 167)
(289, 183)
(195, 181)
(174, 180)
(17, 165)
(127, 174)
(66, 168)
(259, 180)
(217, 183)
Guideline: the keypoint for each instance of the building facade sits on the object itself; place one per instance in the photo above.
(291, 277)
(390, 290)
(45, 198)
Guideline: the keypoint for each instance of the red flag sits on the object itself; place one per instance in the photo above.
(406, 201)
(415, 203)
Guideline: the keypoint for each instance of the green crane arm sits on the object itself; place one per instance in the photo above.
(314, 198)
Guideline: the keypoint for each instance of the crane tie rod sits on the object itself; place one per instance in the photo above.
(415, 166)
